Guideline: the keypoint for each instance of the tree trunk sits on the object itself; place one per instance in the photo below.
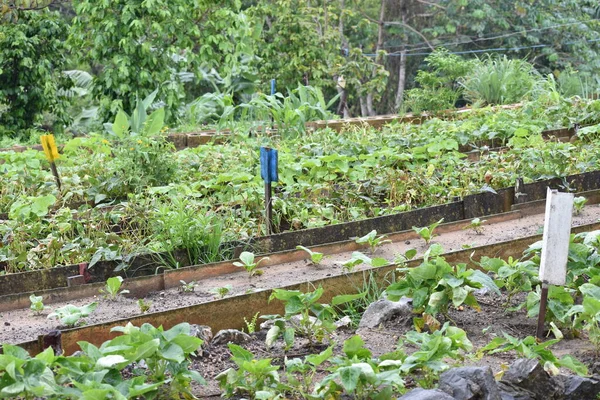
(363, 107)
(343, 106)
(378, 58)
(401, 79)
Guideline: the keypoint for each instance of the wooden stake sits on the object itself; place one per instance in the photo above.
(268, 209)
(542, 315)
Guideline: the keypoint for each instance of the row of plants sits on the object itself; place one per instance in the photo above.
(150, 362)
(149, 199)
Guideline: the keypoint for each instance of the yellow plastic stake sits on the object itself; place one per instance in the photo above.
(49, 146)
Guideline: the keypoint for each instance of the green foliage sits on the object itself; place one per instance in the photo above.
(247, 262)
(496, 80)
(144, 305)
(435, 284)
(426, 233)
(255, 378)
(530, 348)
(187, 287)
(28, 208)
(476, 225)
(70, 315)
(251, 325)
(439, 89)
(358, 374)
(303, 307)
(32, 56)
(373, 240)
(148, 45)
(37, 305)
(221, 291)
(513, 275)
(578, 204)
(360, 258)
(587, 314)
(315, 256)
(111, 289)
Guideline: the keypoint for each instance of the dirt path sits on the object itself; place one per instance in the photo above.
(20, 325)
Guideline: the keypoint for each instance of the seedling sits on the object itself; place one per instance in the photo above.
(70, 315)
(251, 325)
(402, 259)
(111, 289)
(578, 204)
(360, 258)
(187, 287)
(221, 291)
(315, 256)
(37, 306)
(476, 225)
(247, 262)
(426, 232)
(373, 240)
(144, 305)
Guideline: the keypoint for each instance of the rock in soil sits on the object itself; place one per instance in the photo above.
(509, 391)
(470, 383)
(580, 388)
(230, 336)
(529, 374)
(201, 332)
(422, 394)
(384, 310)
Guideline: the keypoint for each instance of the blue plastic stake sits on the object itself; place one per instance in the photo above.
(268, 172)
(272, 87)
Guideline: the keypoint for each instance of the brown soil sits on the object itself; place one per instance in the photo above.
(20, 326)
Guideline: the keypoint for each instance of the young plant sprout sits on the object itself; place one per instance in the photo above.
(426, 232)
(144, 305)
(476, 225)
(37, 306)
(373, 240)
(578, 204)
(70, 315)
(247, 262)
(111, 289)
(360, 258)
(315, 256)
(221, 291)
(187, 287)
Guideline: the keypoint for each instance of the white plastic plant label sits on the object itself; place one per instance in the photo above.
(555, 243)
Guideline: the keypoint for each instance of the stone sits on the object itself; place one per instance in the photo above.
(422, 394)
(384, 310)
(509, 391)
(581, 388)
(201, 332)
(530, 375)
(470, 383)
(344, 322)
(230, 336)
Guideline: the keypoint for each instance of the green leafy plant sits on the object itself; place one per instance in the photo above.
(360, 258)
(111, 289)
(530, 348)
(221, 291)
(251, 325)
(359, 375)
(435, 284)
(587, 314)
(303, 316)
(70, 315)
(373, 240)
(476, 225)
(426, 233)
(403, 258)
(255, 378)
(578, 204)
(37, 305)
(144, 305)
(187, 287)
(247, 262)
(513, 275)
(300, 373)
(315, 256)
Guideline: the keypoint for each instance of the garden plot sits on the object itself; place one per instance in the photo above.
(21, 326)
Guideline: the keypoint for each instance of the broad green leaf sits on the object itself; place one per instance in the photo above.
(346, 298)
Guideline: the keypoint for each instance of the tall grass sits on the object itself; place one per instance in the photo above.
(496, 80)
